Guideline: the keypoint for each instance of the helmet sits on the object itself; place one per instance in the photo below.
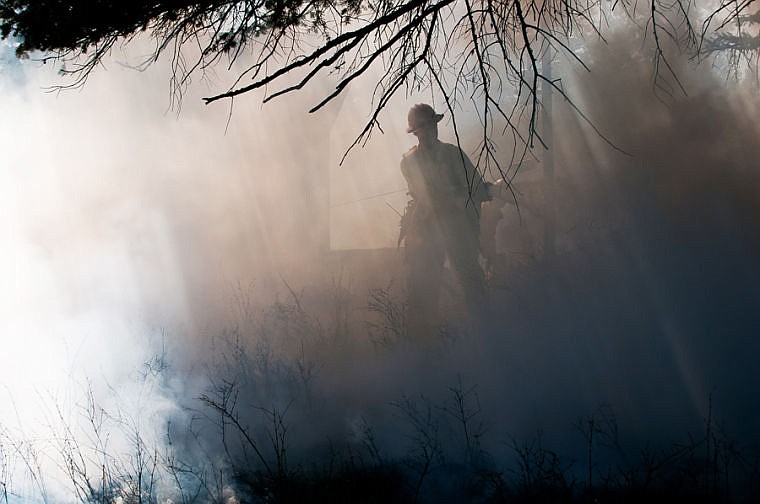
(421, 115)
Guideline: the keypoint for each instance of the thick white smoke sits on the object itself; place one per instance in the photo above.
(131, 230)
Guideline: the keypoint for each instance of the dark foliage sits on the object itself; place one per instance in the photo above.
(351, 483)
(78, 25)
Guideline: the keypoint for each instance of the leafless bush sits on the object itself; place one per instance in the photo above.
(464, 407)
(390, 311)
(541, 471)
(425, 451)
(598, 429)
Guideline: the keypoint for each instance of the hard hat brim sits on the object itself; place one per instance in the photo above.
(436, 119)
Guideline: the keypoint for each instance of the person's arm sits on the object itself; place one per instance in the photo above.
(473, 185)
(412, 177)
(405, 173)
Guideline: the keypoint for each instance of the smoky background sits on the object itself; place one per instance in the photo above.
(154, 258)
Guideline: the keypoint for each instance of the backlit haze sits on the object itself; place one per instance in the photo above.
(138, 240)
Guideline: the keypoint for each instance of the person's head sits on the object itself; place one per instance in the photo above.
(423, 123)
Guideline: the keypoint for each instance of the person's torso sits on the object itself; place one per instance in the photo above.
(438, 176)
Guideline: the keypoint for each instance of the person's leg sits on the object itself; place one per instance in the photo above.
(425, 257)
(463, 250)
